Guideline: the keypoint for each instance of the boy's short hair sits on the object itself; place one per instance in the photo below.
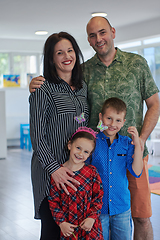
(114, 103)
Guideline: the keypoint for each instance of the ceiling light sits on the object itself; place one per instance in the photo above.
(99, 14)
(42, 32)
(151, 40)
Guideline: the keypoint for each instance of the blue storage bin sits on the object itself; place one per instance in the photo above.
(25, 140)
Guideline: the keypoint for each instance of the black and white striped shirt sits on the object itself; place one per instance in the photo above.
(52, 111)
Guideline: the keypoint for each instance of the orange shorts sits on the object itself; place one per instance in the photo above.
(140, 193)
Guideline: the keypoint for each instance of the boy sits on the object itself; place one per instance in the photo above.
(113, 155)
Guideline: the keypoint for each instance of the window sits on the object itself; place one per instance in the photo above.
(26, 65)
(157, 66)
(152, 55)
(4, 66)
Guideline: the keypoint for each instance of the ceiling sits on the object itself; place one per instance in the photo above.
(19, 19)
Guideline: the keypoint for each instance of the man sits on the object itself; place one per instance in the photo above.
(113, 73)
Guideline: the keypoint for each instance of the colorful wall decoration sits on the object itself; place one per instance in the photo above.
(11, 80)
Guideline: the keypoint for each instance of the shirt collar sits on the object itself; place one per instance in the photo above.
(118, 58)
(103, 136)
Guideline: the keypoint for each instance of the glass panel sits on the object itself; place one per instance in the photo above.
(4, 66)
(41, 65)
(136, 52)
(149, 55)
(157, 67)
(25, 66)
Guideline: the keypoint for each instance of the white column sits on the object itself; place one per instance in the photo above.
(3, 139)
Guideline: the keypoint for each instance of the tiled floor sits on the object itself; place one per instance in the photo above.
(155, 200)
(16, 203)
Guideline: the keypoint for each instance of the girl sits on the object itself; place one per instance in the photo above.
(77, 213)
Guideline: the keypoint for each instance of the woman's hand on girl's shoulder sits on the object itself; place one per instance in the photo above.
(63, 177)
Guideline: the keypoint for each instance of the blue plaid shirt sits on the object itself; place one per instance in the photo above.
(112, 162)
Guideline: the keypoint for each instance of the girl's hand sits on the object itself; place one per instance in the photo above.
(62, 178)
(135, 136)
(67, 228)
(87, 224)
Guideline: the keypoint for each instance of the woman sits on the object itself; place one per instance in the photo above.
(53, 111)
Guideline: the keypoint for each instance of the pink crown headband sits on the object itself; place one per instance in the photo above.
(85, 129)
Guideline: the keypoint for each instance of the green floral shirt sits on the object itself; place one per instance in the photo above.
(129, 78)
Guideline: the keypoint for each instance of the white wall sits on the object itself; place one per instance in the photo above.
(17, 111)
(18, 45)
(126, 33)
(138, 31)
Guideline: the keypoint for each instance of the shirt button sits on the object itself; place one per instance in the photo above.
(110, 200)
(110, 172)
(110, 186)
(110, 148)
(110, 160)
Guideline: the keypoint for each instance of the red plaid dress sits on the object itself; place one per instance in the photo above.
(79, 205)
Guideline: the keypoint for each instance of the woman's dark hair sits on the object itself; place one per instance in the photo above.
(50, 72)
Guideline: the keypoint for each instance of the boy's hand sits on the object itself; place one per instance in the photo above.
(36, 83)
(137, 164)
(67, 228)
(87, 224)
(135, 136)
